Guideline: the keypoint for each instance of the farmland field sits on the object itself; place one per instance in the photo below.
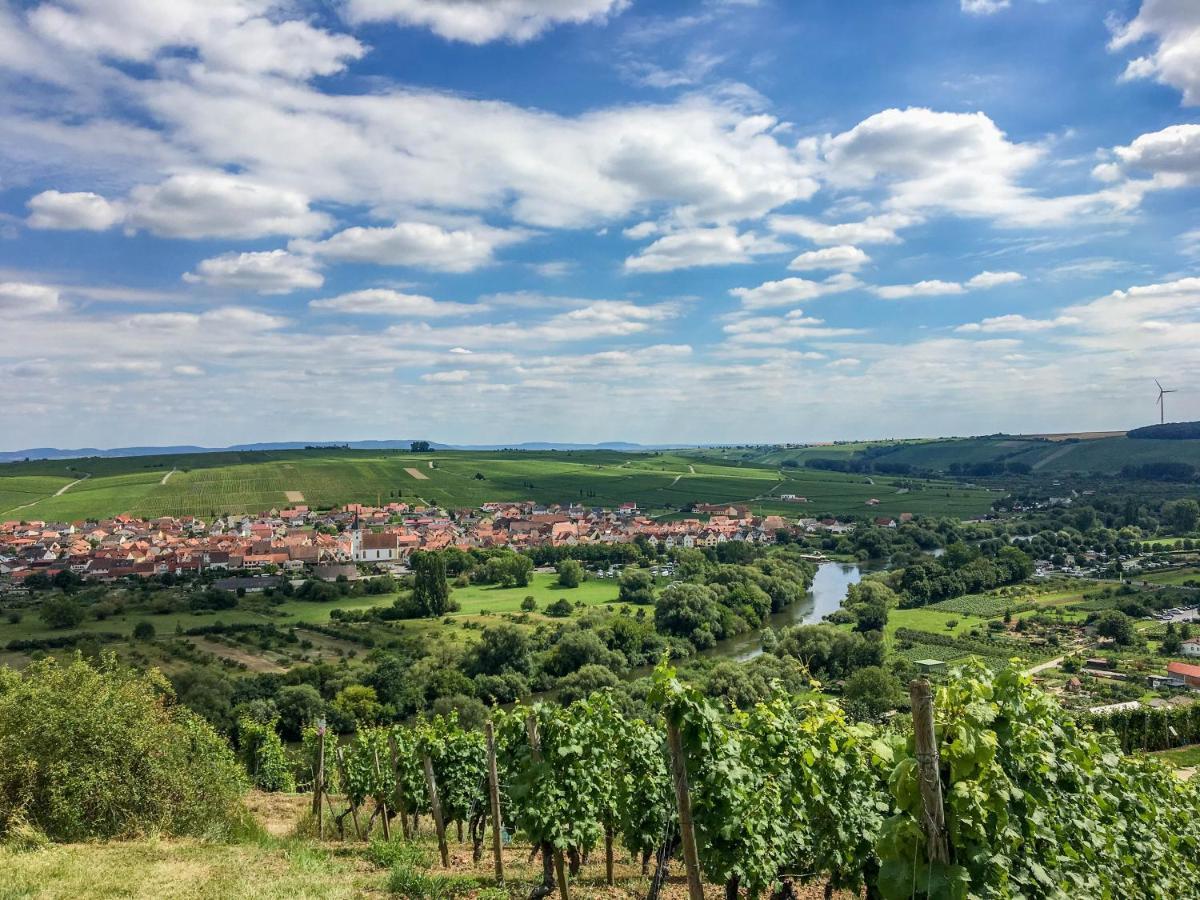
(212, 484)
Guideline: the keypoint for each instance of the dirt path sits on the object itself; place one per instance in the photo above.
(417, 474)
(167, 477)
(692, 469)
(62, 490)
(1057, 454)
(431, 464)
(1042, 667)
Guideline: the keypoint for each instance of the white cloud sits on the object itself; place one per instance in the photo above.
(843, 256)
(19, 298)
(83, 210)
(481, 21)
(929, 288)
(879, 229)
(231, 34)
(937, 288)
(795, 326)
(991, 279)
(789, 291)
(419, 244)
(1171, 155)
(188, 370)
(984, 7)
(1014, 323)
(719, 246)
(450, 376)
(268, 272)
(213, 204)
(956, 163)
(384, 302)
(1175, 60)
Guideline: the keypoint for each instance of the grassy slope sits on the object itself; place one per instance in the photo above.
(217, 483)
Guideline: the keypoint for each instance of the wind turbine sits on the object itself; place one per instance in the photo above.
(1162, 407)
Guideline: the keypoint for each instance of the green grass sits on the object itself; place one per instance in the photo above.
(543, 588)
(931, 620)
(211, 484)
(1184, 757)
(1176, 576)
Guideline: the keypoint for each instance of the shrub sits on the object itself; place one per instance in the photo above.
(560, 608)
(263, 755)
(103, 751)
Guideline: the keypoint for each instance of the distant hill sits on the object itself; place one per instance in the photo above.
(37, 453)
(1171, 431)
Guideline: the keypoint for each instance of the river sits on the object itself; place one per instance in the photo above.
(825, 596)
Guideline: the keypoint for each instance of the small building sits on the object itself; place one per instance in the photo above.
(930, 666)
(1191, 647)
(1184, 675)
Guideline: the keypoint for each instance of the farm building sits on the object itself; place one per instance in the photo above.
(1184, 675)
(1191, 647)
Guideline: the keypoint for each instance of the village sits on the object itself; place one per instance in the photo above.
(326, 543)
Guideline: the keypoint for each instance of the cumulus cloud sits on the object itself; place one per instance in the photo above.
(984, 7)
(450, 376)
(83, 211)
(843, 256)
(935, 287)
(929, 288)
(20, 298)
(957, 163)
(879, 229)
(723, 245)
(1171, 156)
(213, 204)
(481, 21)
(1174, 27)
(1014, 323)
(268, 272)
(788, 291)
(419, 244)
(231, 34)
(790, 328)
(385, 302)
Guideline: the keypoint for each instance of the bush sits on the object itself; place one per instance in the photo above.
(560, 608)
(103, 752)
(61, 612)
(143, 631)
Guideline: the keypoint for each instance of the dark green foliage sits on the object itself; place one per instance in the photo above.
(431, 591)
(61, 612)
(103, 752)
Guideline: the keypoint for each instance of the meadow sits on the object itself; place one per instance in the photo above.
(207, 485)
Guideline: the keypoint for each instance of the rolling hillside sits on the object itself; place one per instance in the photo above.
(212, 483)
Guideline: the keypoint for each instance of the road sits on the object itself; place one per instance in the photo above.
(62, 490)
(167, 476)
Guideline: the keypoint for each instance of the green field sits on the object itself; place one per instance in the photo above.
(212, 484)
(544, 589)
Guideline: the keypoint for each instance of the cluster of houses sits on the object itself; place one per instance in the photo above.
(298, 538)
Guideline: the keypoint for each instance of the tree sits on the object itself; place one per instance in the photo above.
(570, 573)
(143, 631)
(1181, 515)
(872, 691)
(359, 704)
(689, 611)
(431, 591)
(1112, 623)
(61, 612)
(298, 705)
(1172, 643)
(504, 648)
(637, 586)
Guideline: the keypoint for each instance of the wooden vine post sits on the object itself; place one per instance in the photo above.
(400, 806)
(683, 803)
(548, 851)
(933, 820)
(435, 804)
(494, 797)
(381, 797)
(319, 781)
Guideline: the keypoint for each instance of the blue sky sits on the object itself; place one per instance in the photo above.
(586, 220)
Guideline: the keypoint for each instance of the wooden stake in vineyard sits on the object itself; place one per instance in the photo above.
(933, 822)
(494, 797)
(435, 804)
(683, 803)
(319, 780)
